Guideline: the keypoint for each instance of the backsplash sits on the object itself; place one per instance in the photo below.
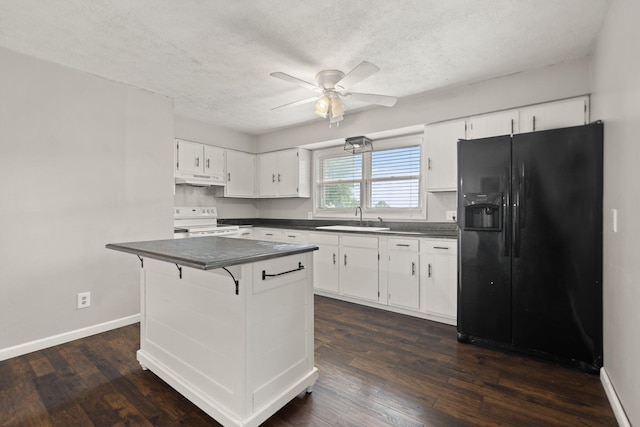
(188, 195)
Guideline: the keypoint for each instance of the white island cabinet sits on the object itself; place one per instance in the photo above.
(228, 322)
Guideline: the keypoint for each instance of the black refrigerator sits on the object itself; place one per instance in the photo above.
(530, 243)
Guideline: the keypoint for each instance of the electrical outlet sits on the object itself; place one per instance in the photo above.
(84, 300)
(451, 215)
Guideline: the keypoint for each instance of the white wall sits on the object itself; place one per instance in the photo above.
(83, 162)
(616, 100)
(556, 82)
(197, 131)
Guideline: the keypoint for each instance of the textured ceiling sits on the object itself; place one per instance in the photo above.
(214, 57)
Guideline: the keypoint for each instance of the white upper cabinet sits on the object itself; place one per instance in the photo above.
(214, 162)
(190, 157)
(241, 174)
(494, 124)
(442, 167)
(203, 161)
(557, 114)
(268, 174)
(285, 173)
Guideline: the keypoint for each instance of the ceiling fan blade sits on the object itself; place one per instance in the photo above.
(286, 77)
(387, 101)
(295, 103)
(361, 72)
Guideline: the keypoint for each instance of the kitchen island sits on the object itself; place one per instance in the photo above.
(228, 323)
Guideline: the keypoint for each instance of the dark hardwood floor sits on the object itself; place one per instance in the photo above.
(376, 369)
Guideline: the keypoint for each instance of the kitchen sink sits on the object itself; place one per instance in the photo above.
(351, 228)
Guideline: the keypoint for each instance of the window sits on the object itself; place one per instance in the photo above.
(387, 180)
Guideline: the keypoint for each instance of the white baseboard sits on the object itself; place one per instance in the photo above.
(616, 406)
(21, 349)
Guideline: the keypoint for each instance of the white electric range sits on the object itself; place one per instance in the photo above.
(199, 221)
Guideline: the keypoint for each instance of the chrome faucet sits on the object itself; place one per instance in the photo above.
(360, 214)
(380, 219)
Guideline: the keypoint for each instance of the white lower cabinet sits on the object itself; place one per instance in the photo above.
(403, 275)
(414, 276)
(325, 261)
(440, 275)
(346, 265)
(359, 267)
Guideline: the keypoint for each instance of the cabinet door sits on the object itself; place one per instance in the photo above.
(214, 162)
(441, 284)
(442, 141)
(494, 124)
(553, 115)
(241, 170)
(190, 157)
(268, 174)
(287, 174)
(359, 272)
(403, 279)
(325, 268)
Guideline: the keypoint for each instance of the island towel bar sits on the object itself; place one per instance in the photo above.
(265, 275)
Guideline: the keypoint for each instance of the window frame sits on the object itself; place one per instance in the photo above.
(371, 212)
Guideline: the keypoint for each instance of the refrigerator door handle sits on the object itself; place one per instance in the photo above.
(506, 208)
(522, 208)
(516, 213)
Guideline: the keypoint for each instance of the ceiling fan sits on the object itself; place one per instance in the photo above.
(333, 86)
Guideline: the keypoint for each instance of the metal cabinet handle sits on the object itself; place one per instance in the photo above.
(273, 177)
(429, 164)
(278, 177)
(228, 176)
(292, 236)
(197, 161)
(441, 247)
(268, 234)
(413, 268)
(334, 259)
(208, 163)
(429, 271)
(534, 123)
(345, 259)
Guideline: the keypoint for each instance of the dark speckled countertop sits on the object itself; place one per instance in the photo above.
(208, 253)
(445, 230)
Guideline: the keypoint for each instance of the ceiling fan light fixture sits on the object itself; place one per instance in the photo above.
(358, 144)
(337, 108)
(322, 106)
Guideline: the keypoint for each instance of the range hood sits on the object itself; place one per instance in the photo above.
(198, 180)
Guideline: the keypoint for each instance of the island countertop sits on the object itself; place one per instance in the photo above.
(208, 253)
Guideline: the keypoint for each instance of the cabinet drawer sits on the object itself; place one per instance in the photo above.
(271, 234)
(324, 238)
(442, 246)
(295, 236)
(404, 245)
(359, 242)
